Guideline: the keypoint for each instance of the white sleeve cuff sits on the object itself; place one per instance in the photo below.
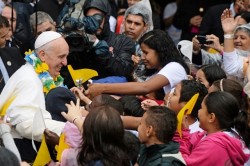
(96, 42)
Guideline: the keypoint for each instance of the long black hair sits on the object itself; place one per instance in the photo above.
(226, 108)
(103, 138)
(160, 41)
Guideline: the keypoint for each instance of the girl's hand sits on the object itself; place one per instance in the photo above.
(74, 111)
(145, 104)
(79, 94)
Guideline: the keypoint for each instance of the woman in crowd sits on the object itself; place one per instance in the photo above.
(160, 56)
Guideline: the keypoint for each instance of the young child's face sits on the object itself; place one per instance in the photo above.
(143, 130)
(200, 76)
(172, 100)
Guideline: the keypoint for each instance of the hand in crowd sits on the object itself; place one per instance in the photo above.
(145, 104)
(215, 42)
(94, 90)
(228, 22)
(136, 59)
(78, 92)
(196, 45)
(190, 77)
(74, 111)
(51, 138)
(80, 95)
(196, 20)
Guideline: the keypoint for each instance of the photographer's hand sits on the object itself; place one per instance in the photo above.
(196, 45)
(215, 43)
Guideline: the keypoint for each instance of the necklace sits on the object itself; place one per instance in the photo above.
(42, 69)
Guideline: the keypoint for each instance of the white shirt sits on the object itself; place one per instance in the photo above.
(233, 64)
(175, 73)
(112, 23)
(195, 127)
(27, 89)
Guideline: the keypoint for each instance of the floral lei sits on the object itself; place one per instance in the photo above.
(43, 73)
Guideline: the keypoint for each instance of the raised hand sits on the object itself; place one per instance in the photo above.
(228, 22)
(73, 111)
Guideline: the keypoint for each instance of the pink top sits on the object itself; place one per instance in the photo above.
(73, 138)
(214, 149)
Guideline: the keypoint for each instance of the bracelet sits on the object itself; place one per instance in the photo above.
(228, 36)
(73, 121)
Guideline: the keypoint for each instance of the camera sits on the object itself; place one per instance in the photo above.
(78, 42)
(203, 40)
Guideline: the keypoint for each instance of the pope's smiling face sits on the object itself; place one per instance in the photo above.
(55, 56)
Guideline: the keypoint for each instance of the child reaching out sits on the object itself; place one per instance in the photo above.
(179, 96)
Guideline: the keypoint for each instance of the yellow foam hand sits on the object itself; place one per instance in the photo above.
(61, 147)
(43, 156)
(6, 106)
(186, 110)
(84, 74)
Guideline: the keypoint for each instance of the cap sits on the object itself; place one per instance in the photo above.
(46, 37)
(246, 26)
(55, 102)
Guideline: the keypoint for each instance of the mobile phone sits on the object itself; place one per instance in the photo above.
(203, 40)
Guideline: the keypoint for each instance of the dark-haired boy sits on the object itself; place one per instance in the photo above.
(156, 130)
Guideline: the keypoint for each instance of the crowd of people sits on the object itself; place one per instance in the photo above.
(128, 114)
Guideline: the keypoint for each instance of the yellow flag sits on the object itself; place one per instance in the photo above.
(61, 147)
(43, 156)
(6, 106)
(186, 110)
(84, 74)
